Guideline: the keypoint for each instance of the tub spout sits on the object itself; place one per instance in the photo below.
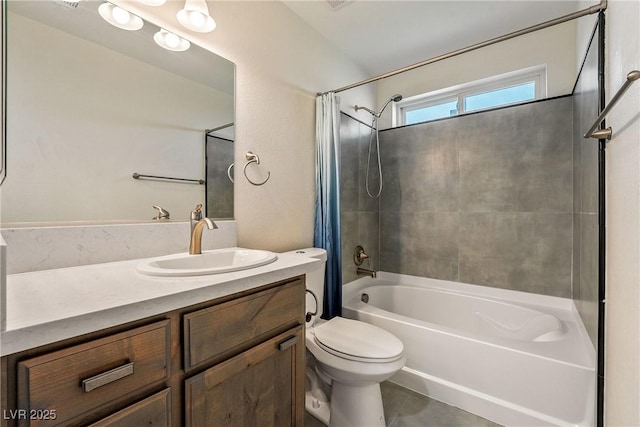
(365, 272)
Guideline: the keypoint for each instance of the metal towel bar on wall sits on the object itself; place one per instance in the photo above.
(253, 158)
(185, 180)
(606, 133)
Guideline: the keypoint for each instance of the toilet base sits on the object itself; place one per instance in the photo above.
(356, 406)
(317, 408)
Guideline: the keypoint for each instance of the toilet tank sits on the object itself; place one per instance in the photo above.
(314, 279)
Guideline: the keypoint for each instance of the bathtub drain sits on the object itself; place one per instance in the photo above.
(364, 298)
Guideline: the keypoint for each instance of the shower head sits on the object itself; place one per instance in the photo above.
(395, 98)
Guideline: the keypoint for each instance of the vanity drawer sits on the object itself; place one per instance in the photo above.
(220, 331)
(152, 411)
(79, 379)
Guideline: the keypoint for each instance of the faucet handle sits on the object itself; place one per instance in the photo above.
(196, 213)
(359, 255)
(162, 213)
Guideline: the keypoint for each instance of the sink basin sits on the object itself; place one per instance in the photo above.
(209, 262)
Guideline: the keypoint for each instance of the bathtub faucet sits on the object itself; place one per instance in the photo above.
(365, 272)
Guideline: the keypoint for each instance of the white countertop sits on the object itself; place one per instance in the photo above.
(51, 305)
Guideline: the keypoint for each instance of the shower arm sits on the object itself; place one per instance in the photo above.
(396, 98)
(373, 113)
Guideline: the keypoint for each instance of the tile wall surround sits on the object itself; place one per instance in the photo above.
(485, 199)
(47, 247)
(219, 155)
(585, 194)
(359, 214)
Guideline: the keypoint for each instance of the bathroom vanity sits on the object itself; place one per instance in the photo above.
(223, 349)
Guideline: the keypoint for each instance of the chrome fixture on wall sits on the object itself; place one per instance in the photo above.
(163, 214)
(374, 128)
(137, 175)
(606, 133)
(359, 256)
(253, 158)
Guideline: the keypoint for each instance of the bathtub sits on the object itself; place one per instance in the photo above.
(515, 358)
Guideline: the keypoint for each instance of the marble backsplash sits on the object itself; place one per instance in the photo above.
(42, 248)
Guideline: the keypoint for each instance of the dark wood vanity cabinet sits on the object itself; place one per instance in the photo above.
(234, 361)
(259, 387)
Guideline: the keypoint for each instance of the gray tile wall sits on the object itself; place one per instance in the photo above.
(505, 198)
(219, 187)
(359, 213)
(485, 199)
(585, 195)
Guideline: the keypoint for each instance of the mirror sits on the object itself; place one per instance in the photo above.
(89, 105)
(220, 171)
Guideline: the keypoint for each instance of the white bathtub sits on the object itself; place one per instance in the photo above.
(515, 358)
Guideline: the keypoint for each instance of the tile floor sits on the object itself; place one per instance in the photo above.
(405, 408)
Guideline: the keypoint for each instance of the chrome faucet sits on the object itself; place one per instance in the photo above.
(366, 272)
(195, 246)
(163, 214)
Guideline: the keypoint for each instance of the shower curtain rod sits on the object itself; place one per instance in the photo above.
(579, 14)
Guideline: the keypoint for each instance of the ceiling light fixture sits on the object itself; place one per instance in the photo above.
(119, 17)
(170, 41)
(195, 16)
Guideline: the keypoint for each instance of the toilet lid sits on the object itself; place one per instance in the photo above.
(356, 340)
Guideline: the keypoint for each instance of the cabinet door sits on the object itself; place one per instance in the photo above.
(152, 411)
(264, 386)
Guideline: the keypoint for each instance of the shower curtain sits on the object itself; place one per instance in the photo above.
(327, 214)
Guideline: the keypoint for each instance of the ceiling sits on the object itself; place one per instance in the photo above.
(382, 36)
(82, 19)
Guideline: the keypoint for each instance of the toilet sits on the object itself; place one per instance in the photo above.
(346, 360)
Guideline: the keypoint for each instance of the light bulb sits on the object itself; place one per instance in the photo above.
(120, 15)
(172, 40)
(197, 18)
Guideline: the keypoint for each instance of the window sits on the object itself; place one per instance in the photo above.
(506, 89)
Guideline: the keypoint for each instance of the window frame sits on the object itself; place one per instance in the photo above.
(537, 75)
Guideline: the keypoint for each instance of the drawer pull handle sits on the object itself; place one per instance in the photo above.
(107, 377)
(289, 342)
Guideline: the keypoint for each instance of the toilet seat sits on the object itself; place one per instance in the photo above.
(357, 341)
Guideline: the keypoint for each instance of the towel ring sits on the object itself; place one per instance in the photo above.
(229, 171)
(253, 158)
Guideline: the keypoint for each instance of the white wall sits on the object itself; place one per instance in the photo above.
(622, 372)
(554, 47)
(82, 118)
(280, 65)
